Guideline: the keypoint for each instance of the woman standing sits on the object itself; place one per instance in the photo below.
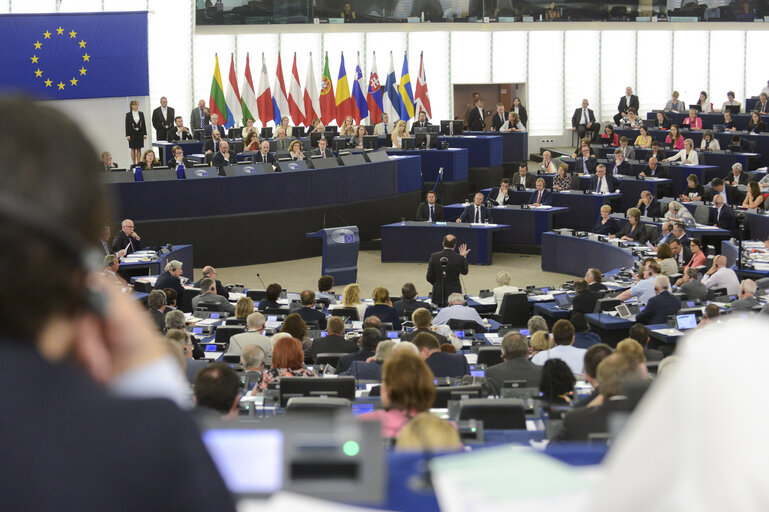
(519, 109)
(135, 131)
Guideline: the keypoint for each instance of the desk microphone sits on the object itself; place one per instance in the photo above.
(260, 280)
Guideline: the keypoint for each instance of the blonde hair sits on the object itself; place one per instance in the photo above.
(606, 208)
(540, 341)
(351, 295)
(632, 348)
(244, 307)
(504, 279)
(428, 432)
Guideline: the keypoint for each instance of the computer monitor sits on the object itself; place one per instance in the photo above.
(452, 127)
(562, 299)
(266, 132)
(341, 387)
(687, 321)
(323, 163)
(315, 137)
(165, 174)
(371, 142)
(243, 170)
(354, 159)
(695, 106)
(407, 143)
(734, 109)
(332, 129)
(426, 140)
(376, 156)
(297, 132)
(339, 144)
(118, 177)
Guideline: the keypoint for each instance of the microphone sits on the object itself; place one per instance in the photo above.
(260, 280)
(444, 262)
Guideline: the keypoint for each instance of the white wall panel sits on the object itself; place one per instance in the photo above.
(509, 58)
(131, 5)
(383, 43)
(727, 53)
(756, 63)
(470, 61)
(33, 6)
(690, 64)
(655, 74)
(436, 60)
(545, 107)
(80, 6)
(617, 68)
(303, 45)
(581, 73)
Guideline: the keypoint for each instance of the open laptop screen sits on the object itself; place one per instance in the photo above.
(687, 321)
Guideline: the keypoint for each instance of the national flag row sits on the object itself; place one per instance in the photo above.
(367, 99)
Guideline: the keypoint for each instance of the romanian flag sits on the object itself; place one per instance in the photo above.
(327, 102)
(407, 97)
(216, 101)
(343, 100)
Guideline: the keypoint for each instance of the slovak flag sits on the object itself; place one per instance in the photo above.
(374, 97)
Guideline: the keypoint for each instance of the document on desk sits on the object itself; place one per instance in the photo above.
(522, 479)
(493, 339)
(542, 207)
(486, 301)
(706, 227)
(284, 500)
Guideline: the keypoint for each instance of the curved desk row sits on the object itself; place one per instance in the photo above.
(574, 256)
(721, 159)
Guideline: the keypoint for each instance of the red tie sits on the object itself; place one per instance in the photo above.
(539, 197)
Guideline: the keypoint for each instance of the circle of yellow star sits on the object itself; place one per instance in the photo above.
(38, 45)
(48, 83)
(73, 81)
(47, 34)
(59, 31)
(86, 58)
(38, 73)
(82, 44)
(82, 71)
(72, 34)
(61, 85)
(34, 59)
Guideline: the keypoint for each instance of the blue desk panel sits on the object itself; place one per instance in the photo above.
(265, 192)
(454, 162)
(721, 159)
(485, 150)
(515, 145)
(189, 146)
(526, 226)
(571, 255)
(416, 241)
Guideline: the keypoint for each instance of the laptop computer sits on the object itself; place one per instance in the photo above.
(718, 128)
(562, 300)
(627, 312)
(686, 321)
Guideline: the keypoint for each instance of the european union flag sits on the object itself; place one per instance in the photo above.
(72, 56)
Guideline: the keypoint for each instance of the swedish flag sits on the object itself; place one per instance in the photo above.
(407, 97)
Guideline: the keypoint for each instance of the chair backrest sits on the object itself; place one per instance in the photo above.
(276, 311)
(520, 393)
(445, 393)
(249, 378)
(235, 321)
(185, 301)
(142, 286)
(351, 313)
(652, 231)
(501, 414)
(702, 214)
(331, 358)
(208, 306)
(575, 182)
(462, 325)
(489, 356)
(664, 204)
(230, 358)
(317, 406)
(256, 295)
(515, 310)
(606, 304)
(225, 332)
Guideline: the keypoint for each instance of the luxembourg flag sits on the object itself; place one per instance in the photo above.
(279, 99)
(310, 97)
(232, 99)
(295, 103)
(391, 99)
(263, 96)
(374, 99)
(360, 107)
(248, 99)
(421, 96)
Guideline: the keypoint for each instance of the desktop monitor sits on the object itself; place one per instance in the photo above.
(371, 142)
(332, 129)
(243, 170)
(734, 109)
(426, 140)
(695, 106)
(452, 127)
(339, 144)
(377, 156)
(407, 143)
(297, 132)
(266, 132)
(354, 159)
(315, 137)
(341, 387)
(323, 163)
(118, 177)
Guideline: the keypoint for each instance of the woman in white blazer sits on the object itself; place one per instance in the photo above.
(686, 155)
(503, 281)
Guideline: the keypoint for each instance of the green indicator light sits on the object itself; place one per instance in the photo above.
(351, 448)
(472, 429)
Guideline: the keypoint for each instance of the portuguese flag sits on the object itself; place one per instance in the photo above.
(216, 102)
(327, 98)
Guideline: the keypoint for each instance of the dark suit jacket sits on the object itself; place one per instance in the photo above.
(220, 161)
(159, 318)
(694, 290)
(638, 234)
(418, 124)
(725, 220)
(209, 144)
(162, 125)
(331, 343)
(187, 163)
(173, 136)
(659, 172)
(219, 128)
(743, 179)
(495, 192)
(547, 197)
(576, 119)
(624, 168)
(312, 315)
(346, 361)
(385, 313)
(591, 164)
(410, 336)
(531, 181)
(475, 120)
(444, 364)
(497, 123)
(730, 194)
(130, 125)
(653, 210)
(220, 289)
(612, 183)
(410, 305)
(584, 302)
(578, 424)
(623, 106)
(329, 153)
(106, 429)
(259, 157)
(597, 287)
(121, 241)
(457, 265)
(423, 212)
(195, 119)
(610, 228)
(519, 368)
(468, 215)
(658, 308)
(362, 370)
(166, 280)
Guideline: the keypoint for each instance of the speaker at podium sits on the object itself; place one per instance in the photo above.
(340, 253)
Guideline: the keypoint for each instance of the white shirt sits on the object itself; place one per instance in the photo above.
(457, 312)
(723, 278)
(501, 198)
(164, 110)
(604, 186)
(573, 356)
(135, 115)
(693, 158)
(522, 180)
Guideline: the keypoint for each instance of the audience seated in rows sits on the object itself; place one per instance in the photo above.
(367, 344)
(563, 337)
(333, 342)
(287, 361)
(254, 336)
(209, 297)
(442, 364)
(383, 308)
(516, 365)
(308, 312)
(372, 369)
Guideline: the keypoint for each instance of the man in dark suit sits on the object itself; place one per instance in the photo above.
(409, 303)
(454, 265)
(199, 116)
(737, 177)
(263, 155)
(442, 364)
(661, 305)
(422, 319)
(106, 158)
(641, 334)
(179, 159)
(601, 183)
(500, 195)
(156, 304)
(214, 126)
(430, 210)
(593, 278)
(625, 102)
(523, 177)
(475, 212)
(585, 163)
(585, 300)
(322, 149)
(654, 170)
(718, 187)
(163, 119)
(619, 166)
(721, 215)
(178, 131)
(211, 145)
(367, 342)
(210, 273)
(106, 246)
(499, 118)
(421, 121)
(666, 234)
(126, 239)
(691, 286)
(681, 251)
(170, 278)
(334, 341)
(515, 352)
(308, 311)
(583, 122)
(476, 118)
(223, 156)
(541, 195)
(649, 205)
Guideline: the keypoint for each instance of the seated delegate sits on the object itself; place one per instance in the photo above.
(634, 230)
(605, 225)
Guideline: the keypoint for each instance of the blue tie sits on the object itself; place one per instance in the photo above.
(584, 165)
(585, 112)
(477, 215)
(600, 184)
(431, 212)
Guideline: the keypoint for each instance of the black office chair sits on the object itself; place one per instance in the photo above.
(235, 321)
(230, 358)
(256, 295)
(489, 356)
(445, 393)
(604, 305)
(317, 406)
(331, 358)
(514, 310)
(276, 311)
(351, 313)
(142, 286)
(225, 332)
(208, 306)
(185, 301)
(501, 414)
(463, 325)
